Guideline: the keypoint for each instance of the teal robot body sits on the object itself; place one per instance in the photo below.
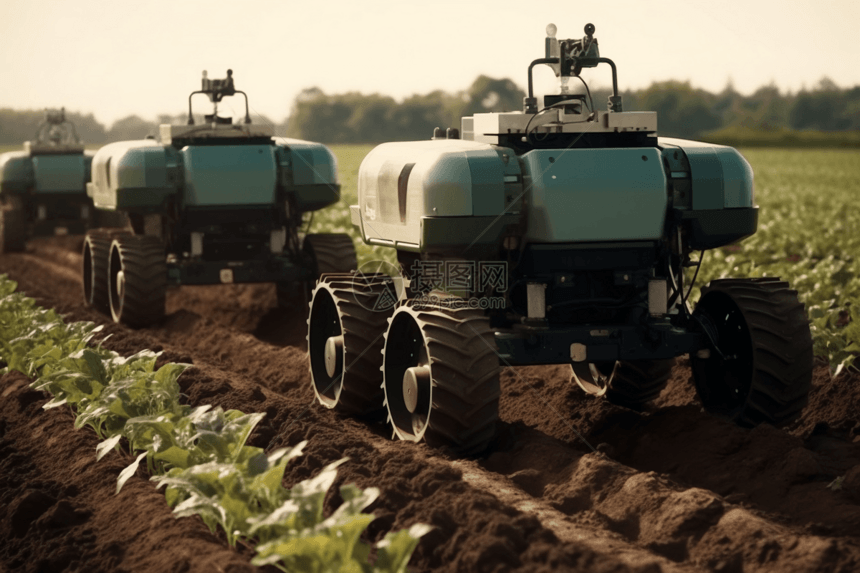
(43, 187)
(559, 234)
(213, 203)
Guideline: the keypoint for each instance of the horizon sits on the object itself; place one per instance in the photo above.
(114, 60)
(283, 120)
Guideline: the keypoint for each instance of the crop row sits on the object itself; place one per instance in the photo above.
(198, 454)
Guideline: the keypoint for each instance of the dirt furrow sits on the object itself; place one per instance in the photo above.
(471, 525)
(671, 489)
(60, 512)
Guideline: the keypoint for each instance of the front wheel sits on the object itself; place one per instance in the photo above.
(759, 368)
(348, 316)
(96, 258)
(441, 377)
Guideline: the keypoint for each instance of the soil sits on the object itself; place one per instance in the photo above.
(572, 483)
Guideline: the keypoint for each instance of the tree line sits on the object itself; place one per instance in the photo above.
(683, 111)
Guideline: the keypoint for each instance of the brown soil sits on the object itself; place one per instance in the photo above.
(571, 484)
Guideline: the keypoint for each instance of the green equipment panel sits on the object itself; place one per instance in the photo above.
(16, 172)
(721, 177)
(308, 171)
(581, 195)
(223, 175)
(59, 173)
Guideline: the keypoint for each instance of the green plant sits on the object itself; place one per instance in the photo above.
(199, 454)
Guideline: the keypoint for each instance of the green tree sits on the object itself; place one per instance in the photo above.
(371, 118)
(766, 109)
(131, 128)
(419, 115)
(322, 117)
(355, 117)
(682, 111)
(824, 108)
(18, 126)
(488, 94)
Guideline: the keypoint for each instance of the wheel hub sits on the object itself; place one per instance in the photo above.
(592, 378)
(416, 388)
(120, 284)
(334, 355)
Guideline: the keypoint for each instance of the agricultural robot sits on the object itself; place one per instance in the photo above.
(555, 235)
(214, 203)
(43, 187)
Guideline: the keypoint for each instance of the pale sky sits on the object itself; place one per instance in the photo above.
(122, 57)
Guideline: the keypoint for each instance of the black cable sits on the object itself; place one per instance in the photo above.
(532, 119)
(676, 290)
(693, 282)
(588, 92)
(553, 106)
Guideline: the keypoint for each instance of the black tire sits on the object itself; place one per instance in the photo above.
(293, 295)
(441, 377)
(347, 320)
(761, 367)
(137, 280)
(103, 218)
(13, 227)
(323, 253)
(629, 383)
(96, 257)
(330, 253)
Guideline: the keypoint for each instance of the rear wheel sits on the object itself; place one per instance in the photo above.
(330, 253)
(760, 366)
(628, 383)
(13, 226)
(441, 377)
(347, 321)
(137, 280)
(324, 253)
(102, 218)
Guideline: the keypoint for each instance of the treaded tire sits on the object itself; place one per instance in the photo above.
(761, 326)
(330, 253)
(137, 280)
(324, 253)
(13, 227)
(637, 382)
(96, 257)
(630, 383)
(354, 310)
(456, 400)
(103, 218)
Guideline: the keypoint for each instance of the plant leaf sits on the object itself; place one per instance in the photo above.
(107, 445)
(126, 474)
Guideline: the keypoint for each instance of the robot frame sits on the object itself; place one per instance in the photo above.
(593, 219)
(216, 203)
(43, 187)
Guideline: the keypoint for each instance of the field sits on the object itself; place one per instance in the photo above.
(571, 483)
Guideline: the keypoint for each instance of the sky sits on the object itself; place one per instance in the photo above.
(121, 57)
